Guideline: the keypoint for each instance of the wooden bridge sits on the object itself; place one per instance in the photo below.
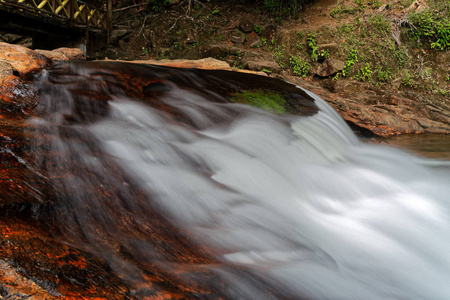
(57, 17)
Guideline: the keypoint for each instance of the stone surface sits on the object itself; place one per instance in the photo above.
(383, 115)
(22, 59)
(237, 39)
(62, 54)
(246, 25)
(260, 65)
(329, 67)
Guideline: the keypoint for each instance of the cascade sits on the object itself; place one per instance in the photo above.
(181, 191)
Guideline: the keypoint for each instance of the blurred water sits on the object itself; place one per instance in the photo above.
(296, 201)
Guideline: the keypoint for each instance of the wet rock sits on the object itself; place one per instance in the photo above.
(329, 67)
(22, 59)
(35, 266)
(382, 115)
(62, 54)
(246, 25)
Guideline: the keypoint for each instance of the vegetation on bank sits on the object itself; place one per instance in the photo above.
(383, 43)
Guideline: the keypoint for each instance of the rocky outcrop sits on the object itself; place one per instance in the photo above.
(383, 115)
(329, 67)
(62, 54)
(23, 60)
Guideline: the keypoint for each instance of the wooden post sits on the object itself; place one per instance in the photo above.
(109, 20)
(86, 13)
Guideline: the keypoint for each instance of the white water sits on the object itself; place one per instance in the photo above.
(296, 199)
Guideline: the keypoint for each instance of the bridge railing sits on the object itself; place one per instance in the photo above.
(71, 10)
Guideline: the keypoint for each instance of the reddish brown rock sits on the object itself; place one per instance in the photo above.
(392, 115)
(22, 59)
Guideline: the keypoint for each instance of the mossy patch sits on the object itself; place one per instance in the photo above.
(264, 99)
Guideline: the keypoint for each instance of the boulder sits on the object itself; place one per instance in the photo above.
(269, 32)
(259, 65)
(22, 59)
(246, 25)
(329, 67)
(62, 54)
(6, 69)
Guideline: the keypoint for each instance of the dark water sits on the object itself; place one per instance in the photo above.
(183, 194)
(427, 145)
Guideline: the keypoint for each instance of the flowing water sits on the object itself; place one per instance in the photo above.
(238, 201)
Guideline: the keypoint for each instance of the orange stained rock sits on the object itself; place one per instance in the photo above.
(22, 59)
(35, 265)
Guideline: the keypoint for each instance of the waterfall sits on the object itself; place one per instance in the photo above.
(267, 206)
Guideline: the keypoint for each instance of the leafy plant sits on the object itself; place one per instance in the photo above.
(144, 51)
(299, 67)
(352, 58)
(279, 56)
(312, 46)
(365, 73)
(407, 79)
(383, 75)
(264, 41)
(360, 4)
(257, 28)
(433, 25)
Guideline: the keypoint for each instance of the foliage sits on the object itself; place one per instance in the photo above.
(279, 56)
(312, 46)
(383, 75)
(380, 24)
(352, 58)
(264, 41)
(158, 5)
(267, 100)
(375, 3)
(299, 67)
(360, 4)
(342, 10)
(144, 51)
(365, 73)
(257, 28)
(407, 79)
(433, 25)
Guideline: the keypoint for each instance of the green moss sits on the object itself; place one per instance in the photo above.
(267, 100)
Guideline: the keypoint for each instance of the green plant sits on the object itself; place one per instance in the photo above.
(264, 41)
(342, 10)
(312, 46)
(433, 25)
(215, 11)
(324, 54)
(365, 73)
(407, 79)
(383, 75)
(299, 66)
(144, 51)
(301, 34)
(360, 4)
(266, 71)
(375, 3)
(272, 41)
(176, 46)
(158, 5)
(279, 56)
(352, 58)
(257, 28)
